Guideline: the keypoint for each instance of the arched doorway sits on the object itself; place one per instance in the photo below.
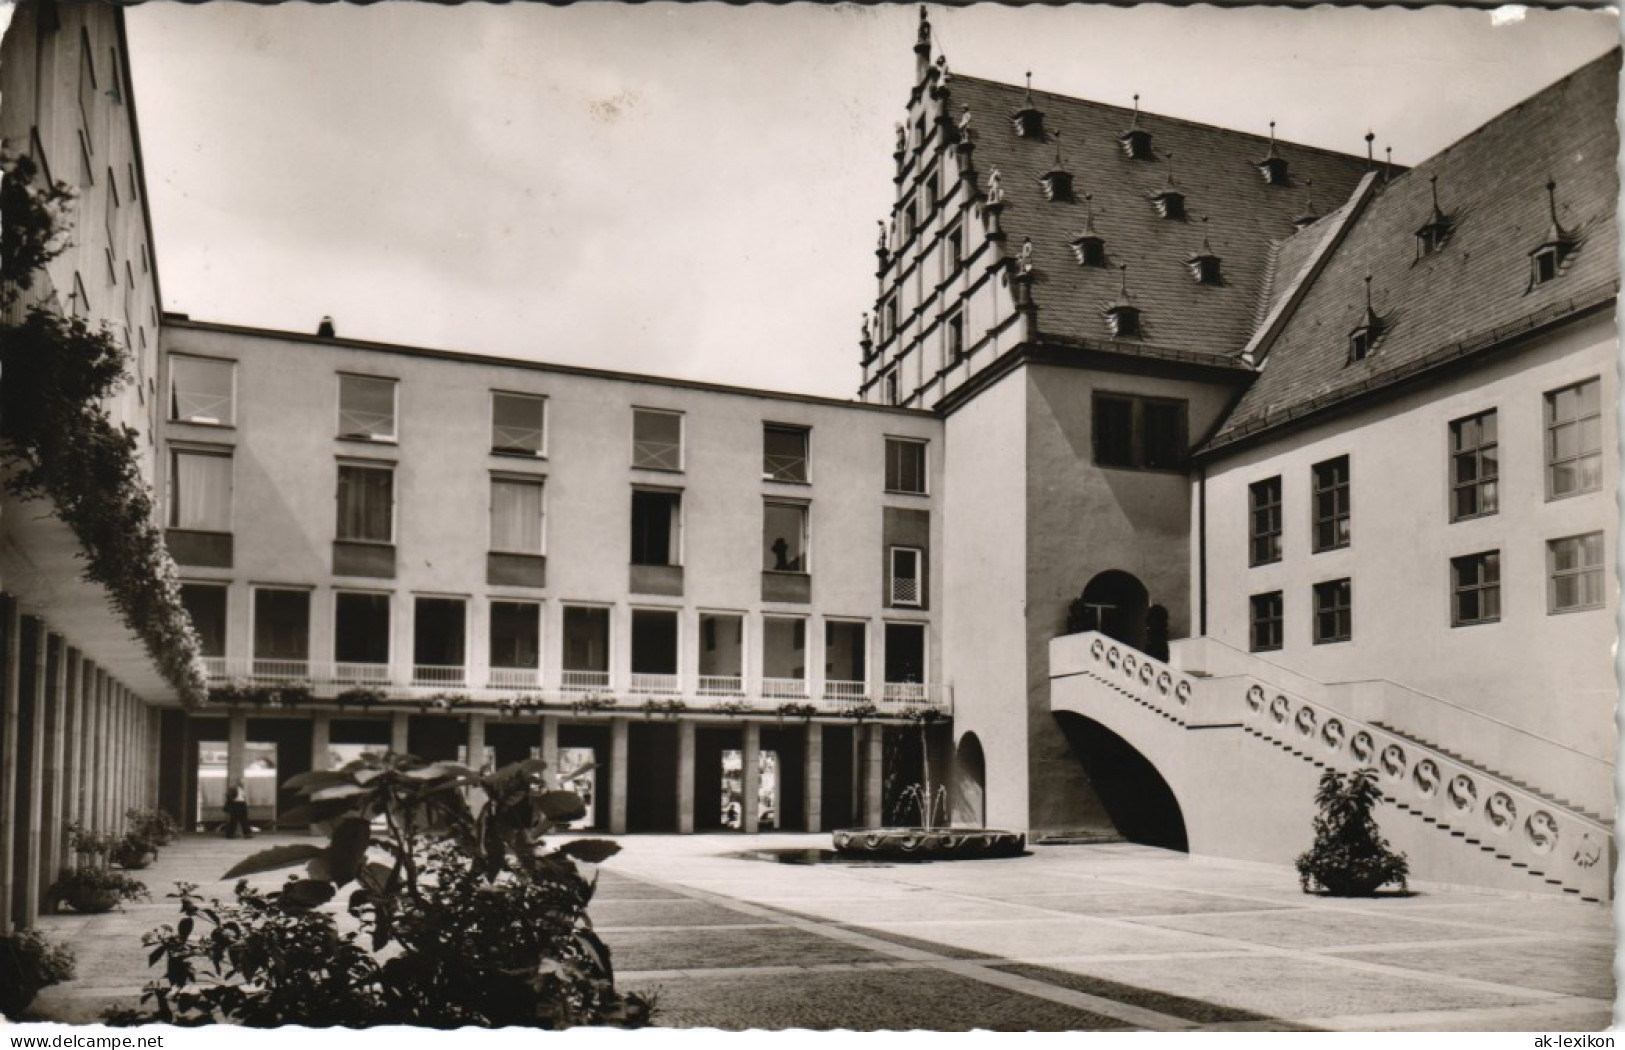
(1138, 800)
(970, 783)
(1113, 603)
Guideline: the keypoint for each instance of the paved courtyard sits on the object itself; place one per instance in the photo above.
(1100, 937)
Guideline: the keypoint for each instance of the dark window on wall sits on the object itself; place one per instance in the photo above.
(1331, 504)
(784, 537)
(366, 408)
(905, 652)
(516, 635)
(366, 503)
(657, 439)
(281, 629)
(361, 628)
(1268, 619)
(890, 387)
(907, 569)
(953, 250)
(206, 604)
(1475, 586)
(784, 453)
(1137, 433)
(1574, 440)
(1575, 573)
(202, 390)
(438, 639)
(1334, 611)
(1264, 523)
(953, 339)
(1474, 467)
(657, 518)
(905, 466)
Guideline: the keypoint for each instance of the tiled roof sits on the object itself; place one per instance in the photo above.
(1213, 168)
(1492, 185)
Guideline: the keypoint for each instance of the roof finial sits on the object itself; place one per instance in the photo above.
(1551, 198)
(924, 36)
(1370, 161)
(1388, 164)
(1122, 288)
(1271, 153)
(922, 47)
(1089, 213)
(1556, 234)
(1135, 121)
(1169, 157)
(1207, 249)
(1438, 214)
(1367, 293)
(1029, 99)
(1057, 135)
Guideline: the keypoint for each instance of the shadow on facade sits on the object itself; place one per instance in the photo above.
(1137, 798)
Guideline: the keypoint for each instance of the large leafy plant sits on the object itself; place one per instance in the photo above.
(1349, 857)
(459, 915)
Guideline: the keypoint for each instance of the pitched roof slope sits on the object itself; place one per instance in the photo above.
(1213, 168)
(1492, 187)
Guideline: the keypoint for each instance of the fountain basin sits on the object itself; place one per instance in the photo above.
(930, 843)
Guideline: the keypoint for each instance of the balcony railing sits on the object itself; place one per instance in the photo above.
(437, 675)
(721, 685)
(584, 681)
(514, 678)
(847, 691)
(784, 689)
(421, 682)
(656, 684)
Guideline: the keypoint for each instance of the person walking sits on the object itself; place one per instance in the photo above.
(237, 811)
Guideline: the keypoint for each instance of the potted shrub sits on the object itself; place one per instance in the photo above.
(153, 826)
(1349, 858)
(29, 962)
(93, 890)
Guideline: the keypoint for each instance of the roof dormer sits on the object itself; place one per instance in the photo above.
(1088, 245)
(1547, 258)
(1029, 119)
(1057, 181)
(1169, 202)
(1122, 316)
(1272, 165)
(1309, 216)
(1432, 235)
(1365, 336)
(1135, 140)
(1204, 265)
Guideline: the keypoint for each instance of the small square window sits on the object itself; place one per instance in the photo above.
(1474, 467)
(366, 408)
(1544, 264)
(517, 424)
(784, 453)
(657, 439)
(1574, 440)
(1575, 571)
(1331, 504)
(1267, 621)
(202, 390)
(905, 466)
(1475, 586)
(1334, 611)
(1264, 522)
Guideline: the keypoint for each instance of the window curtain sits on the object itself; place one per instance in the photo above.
(366, 504)
(516, 517)
(201, 494)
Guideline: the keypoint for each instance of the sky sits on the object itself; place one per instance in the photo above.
(689, 190)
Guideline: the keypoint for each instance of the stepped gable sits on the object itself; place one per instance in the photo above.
(1215, 170)
(1435, 306)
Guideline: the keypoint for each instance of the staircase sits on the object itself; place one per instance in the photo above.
(1242, 753)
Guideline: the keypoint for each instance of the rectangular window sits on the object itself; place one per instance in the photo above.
(1268, 618)
(281, 632)
(366, 503)
(657, 439)
(516, 515)
(953, 251)
(657, 527)
(1574, 439)
(1474, 466)
(905, 652)
(784, 453)
(722, 654)
(516, 633)
(905, 466)
(200, 490)
(888, 316)
(1264, 522)
(1331, 504)
(202, 390)
(654, 651)
(953, 340)
(517, 424)
(890, 387)
(438, 638)
(360, 630)
(366, 408)
(1475, 587)
(206, 604)
(907, 564)
(1575, 568)
(784, 537)
(1138, 433)
(586, 648)
(1334, 611)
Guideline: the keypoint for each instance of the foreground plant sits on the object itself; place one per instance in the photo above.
(1350, 858)
(463, 917)
(29, 962)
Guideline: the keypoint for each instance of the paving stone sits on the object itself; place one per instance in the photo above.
(864, 1001)
(700, 949)
(1144, 903)
(679, 911)
(1319, 928)
(1553, 966)
(1151, 999)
